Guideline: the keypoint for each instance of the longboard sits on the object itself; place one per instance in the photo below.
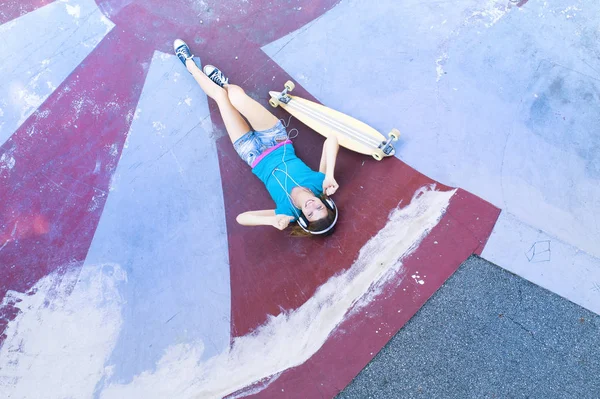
(351, 133)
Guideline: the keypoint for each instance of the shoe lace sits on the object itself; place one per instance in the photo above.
(218, 77)
(183, 52)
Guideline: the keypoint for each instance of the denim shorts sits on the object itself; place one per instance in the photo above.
(252, 144)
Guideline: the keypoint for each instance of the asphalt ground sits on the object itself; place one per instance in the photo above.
(487, 333)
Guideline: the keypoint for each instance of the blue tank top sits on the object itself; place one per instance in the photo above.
(272, 168)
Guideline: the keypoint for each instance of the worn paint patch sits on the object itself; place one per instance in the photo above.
(80, 316)
(490, 14)
(7, 161)
(27, 101)
(439, 68)
(74, 11)
(289, 339)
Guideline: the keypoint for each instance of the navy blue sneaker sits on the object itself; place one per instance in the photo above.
(215, 75)
(182, 51)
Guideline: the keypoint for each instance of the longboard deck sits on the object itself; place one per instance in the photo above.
(351, 133)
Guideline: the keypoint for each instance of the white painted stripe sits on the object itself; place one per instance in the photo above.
(289, 339)
(39, 50)
(68, 326)
(164, 223)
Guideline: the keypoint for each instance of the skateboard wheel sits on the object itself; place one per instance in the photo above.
(378, 155)
(273, 102)
(394, 134)
(289, 85)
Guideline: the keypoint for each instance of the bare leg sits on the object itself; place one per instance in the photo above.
(234, 123)
(259, 117)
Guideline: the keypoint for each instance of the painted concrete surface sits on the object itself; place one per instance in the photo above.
(98, 218)
(120, 193)
(57, 166)
(158, 206)
(494, 98)
(59, 343)
(114, 221)
(36, 61)
(551, 263)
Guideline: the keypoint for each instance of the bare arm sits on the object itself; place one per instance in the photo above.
(328, 158)
(264, 218)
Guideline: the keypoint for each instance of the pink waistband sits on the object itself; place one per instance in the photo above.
(268, 151)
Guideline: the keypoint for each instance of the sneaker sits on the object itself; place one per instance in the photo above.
(182, 51)
(215, 75)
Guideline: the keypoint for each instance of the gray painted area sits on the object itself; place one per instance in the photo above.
(34, 62)
(164, 224)
(488, 334)
(499, 100)
(546, 261)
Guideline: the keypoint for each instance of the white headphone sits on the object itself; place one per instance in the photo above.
(302, 220)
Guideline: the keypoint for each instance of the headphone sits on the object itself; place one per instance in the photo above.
(303, 221)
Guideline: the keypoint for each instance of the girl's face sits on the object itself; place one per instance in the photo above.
(314, 209)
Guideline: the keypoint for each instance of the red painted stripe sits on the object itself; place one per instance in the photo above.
(16, 8)
(355, 342)
(54, 195)
(270, 271)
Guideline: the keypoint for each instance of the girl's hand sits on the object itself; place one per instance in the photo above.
(281, 222)
(330, 186)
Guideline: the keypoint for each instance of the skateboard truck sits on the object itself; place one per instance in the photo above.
(283, 96)
(386, 146)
